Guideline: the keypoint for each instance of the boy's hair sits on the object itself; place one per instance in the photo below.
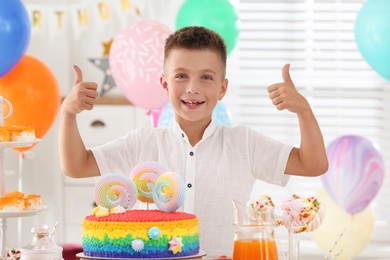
(196, 38)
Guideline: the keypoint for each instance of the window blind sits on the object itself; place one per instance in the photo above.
(348, 97)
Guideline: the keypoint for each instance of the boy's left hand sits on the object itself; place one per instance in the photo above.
(284, 95)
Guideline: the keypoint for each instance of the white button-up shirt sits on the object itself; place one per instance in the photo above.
(220, 168)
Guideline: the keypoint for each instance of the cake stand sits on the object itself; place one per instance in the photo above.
(193, 257)
(5, 215)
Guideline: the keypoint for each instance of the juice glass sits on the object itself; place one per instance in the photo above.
(255, 249)
(254, 234)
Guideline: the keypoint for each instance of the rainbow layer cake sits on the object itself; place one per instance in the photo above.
(141, 234)
(115, 230)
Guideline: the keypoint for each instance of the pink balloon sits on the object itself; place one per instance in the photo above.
(136, 62)
(356, 172)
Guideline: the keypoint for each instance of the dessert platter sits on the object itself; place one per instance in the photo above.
(14, 204)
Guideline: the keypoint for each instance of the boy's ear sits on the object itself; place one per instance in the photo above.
(164, 84)
(224, 88)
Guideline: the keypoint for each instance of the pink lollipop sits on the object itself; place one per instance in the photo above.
(145, 176)
(303, 214)
(115, 189)
(169, 192)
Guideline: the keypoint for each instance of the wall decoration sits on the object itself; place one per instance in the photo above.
(104, 65)
(49, 20)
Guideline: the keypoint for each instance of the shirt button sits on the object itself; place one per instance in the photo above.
(189, 185)
(191, 153)
(182, 135)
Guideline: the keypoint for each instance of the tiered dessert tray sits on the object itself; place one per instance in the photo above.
(193, 257)
(5, 215)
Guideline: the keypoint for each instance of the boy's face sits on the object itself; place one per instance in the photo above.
(194, 81)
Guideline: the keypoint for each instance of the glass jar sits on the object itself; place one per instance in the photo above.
(42, 246)
(254, 236)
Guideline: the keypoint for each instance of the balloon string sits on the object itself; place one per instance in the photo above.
(328, 255)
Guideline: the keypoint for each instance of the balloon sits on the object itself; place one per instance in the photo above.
(372, 35)
(357, 233)
(34, 94)
(155, 114)
(356, 172)
(220, 116)
(15, 33)
(136, 62)
(217, 15)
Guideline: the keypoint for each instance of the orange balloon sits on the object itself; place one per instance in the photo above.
(34, 94)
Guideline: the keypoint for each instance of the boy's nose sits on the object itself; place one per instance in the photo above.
(192, 87)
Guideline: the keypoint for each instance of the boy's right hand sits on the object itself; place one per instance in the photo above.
(82, 95)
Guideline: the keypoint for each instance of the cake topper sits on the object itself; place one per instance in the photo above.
(149, 182)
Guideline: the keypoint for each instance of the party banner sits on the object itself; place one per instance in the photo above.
(50, 20)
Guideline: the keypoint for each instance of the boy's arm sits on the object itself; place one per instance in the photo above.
(310, 159)
(76, 161)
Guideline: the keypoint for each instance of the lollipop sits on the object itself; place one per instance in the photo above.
(169, 192)
(260, 208)
(115, 189)
(145, 176)
(303, 214)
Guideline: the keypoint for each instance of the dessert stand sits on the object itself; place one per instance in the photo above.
(5, 215)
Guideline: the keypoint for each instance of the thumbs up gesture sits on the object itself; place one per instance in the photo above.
(284, 95)
(82, 95)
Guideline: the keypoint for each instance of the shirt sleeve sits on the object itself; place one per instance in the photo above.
(269, 158)
(114, 156)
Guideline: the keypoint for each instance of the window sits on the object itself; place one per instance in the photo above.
(347, 96)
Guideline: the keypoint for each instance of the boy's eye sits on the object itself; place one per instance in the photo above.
(207, 77)
(181, 76)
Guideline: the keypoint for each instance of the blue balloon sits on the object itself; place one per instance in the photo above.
(220, 116)
(372, 35)
(15, 30)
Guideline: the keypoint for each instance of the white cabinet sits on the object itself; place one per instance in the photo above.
(100, 125)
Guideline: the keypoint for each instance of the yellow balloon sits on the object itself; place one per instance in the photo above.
(357, 234)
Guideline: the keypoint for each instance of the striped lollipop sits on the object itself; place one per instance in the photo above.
(169, 192)
(145, 175)
(115, 189)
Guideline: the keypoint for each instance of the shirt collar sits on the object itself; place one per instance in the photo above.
(207, 133)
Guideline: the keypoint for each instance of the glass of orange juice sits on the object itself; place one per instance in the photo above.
(259, 249)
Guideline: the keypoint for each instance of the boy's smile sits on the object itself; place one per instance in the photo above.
(194, 82)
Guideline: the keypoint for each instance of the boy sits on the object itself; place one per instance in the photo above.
(219, 164)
